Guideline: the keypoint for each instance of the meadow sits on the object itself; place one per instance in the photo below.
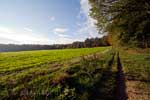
(16, 61)
(36, 74)
(74, 74)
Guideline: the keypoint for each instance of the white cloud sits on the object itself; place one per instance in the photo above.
(60, 30)
(28, 29)
(7, 41)
(63, 40)
(52, 18)
(63, 35)
(16, 36)
(87, 27)
(5, 30)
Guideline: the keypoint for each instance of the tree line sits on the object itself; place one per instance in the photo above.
(89, 42)
(127, 22)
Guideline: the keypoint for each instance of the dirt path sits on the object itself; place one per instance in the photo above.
(120, 92)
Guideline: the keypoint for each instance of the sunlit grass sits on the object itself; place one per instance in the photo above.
(136, 65)
(16, 61)
(42, 72)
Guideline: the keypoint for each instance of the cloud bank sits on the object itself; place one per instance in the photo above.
(23, 36)
(87, 27)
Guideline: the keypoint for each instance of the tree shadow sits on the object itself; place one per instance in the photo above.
(103, 89)
(120, 91)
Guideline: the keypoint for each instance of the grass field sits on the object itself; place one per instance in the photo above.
(136, 66)
(15, 61)
(39, 73)
(74, 74)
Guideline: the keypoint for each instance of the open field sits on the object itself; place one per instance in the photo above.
(75, 74)
(37, 74)
(16, 61)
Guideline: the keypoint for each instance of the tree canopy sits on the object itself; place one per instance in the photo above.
(126, 21)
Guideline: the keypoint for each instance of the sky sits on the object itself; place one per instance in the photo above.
(45, 21)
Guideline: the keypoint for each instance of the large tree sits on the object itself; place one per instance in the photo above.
(127, 21)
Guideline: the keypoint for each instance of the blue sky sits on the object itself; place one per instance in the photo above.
(45, 21)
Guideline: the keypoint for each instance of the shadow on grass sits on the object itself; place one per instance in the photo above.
(120, 91)
(104, 87)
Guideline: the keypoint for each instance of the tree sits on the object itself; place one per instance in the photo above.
(87, 43)
(127, 21)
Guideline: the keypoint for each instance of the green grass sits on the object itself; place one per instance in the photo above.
(40, 74)
(69, 74)
(136, 65)
(16, 61)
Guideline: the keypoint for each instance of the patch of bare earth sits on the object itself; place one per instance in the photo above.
(138, 90)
